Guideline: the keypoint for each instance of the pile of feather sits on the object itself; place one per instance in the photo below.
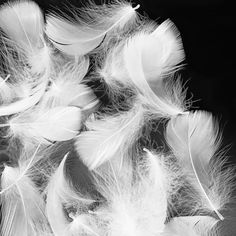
(100, 136)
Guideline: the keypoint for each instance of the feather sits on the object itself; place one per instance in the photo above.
(142, 62)
(25, 103)
(190, 226)
(194, 139)
(6, 92)
(22, 204)
(138, 57)
(109, 136)
(56, 124)
(23, 23)
(59, 193)
(79, 37)
(66, 88)
(135, 203)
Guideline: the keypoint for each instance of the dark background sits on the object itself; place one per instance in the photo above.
(208, 32)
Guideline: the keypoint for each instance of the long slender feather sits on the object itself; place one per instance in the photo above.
(194, 139)
(84, 34)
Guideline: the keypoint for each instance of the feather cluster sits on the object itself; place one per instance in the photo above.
(82, 99)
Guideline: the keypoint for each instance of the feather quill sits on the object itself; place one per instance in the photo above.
(194, 139)
(79, 37)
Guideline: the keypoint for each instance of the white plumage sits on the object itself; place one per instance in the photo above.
(86, 99)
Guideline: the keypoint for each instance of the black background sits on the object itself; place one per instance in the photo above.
(208, 32)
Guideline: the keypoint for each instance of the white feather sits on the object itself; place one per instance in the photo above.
(194, 140)
(25, 103)
(22, 204)
(56, 124)
(109, 136)
(23, 23)
(190, 226)
(59, 194)
(80, 36)
(142, 62)
(66, 87)
(135, 204)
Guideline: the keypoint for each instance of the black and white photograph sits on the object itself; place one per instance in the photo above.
(117, 118)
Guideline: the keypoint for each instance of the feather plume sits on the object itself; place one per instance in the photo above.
(23, 23)
(66, 87)
(143, 61)
(56, 124)
(22, 204)
(190, 226)
(135, 203)
(109, 136)
(60, 193)
(25, 103)
(79, 37)
(194, 139)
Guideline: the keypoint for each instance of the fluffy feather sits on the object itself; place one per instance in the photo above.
(79, 37)
(109, 136)
(135, 203)
(66, 87)
(22, 204)
(60, 193)
(190, 226)
(143, 61)
(194, 139)
(57, 124)
(23, 23)
(25, 103)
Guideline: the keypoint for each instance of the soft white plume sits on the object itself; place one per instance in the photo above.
(22, 204)
(23, 23)
(190, 226)
(109, 136)
(143, 61)
(85, 33)
(194, 139)
(56, 124)
(66, 88)
(60, 194)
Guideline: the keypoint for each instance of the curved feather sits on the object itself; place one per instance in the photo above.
(109, 136)
(84, 34)
(194, 139)
(190, 226)
(56, 124)
(59, 193)
(22, 204)
(23, 23)
(25, 103)
(142, 61)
